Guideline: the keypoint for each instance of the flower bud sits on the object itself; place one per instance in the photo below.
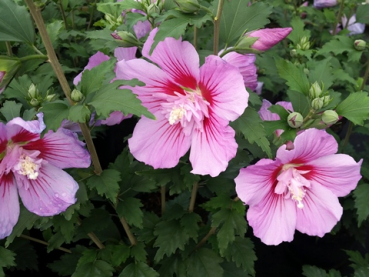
(50, 97)
(360, 45)
(153, 9)
(295, 120)
(76, 95)
(128, 39)
(34, 102)
(293, 53)
(330, 117)
(268, 37)
(306, 71)
(244, 45)
(315, 91)
(32, 91)
(304, 44)
(8, 68)
(317, 103)
(188, 6)
(326, 100)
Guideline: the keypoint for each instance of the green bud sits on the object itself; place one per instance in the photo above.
(306, 71)
(304, 44)
(8, 68)
(243, 45)
(317, 103)
(50, 97)
(188, 6)
(110, 19)
(326, 100)
(360, 45)
(330, 117)
(128, 39)
(34, 102)
(76, 95)
(293, 53)
(315, 91)
(153, 9)
(32, 91)
(295, 120)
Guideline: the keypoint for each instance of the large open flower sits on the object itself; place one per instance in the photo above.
(299, 190)
(192, 105)
(32, 167)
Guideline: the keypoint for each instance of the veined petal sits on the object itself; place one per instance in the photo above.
(114, 118)
(51, 193)
(142, 28)
(62, 149)
(3, 138)
(267, 38)
(320, 213)
(177, 58)
(274, 219)
(213, 147)
(256, 181)
(19, 130)
(339, 173)
(221, 84)
(125, 53)
(157, 143)
(309, 145)
(9, 205)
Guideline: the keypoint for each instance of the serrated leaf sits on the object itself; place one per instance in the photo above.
(204, 263)
(15, 23)
(67, 263)
(362, 14)
(361, 194)
(79, 113)
(106, 184)
(138, 270)
(173, 266)
(339, 45)
(96, 269)
(321, 72)
(130, 209)
(138, 252)
(120, 254)
(53, 29)
(189, 223)
(298, 31)
(11, 109)
(88, 256)
(110, 98)
(355, 107)
(313, 271)
(7, 257)
(299, 102)
(294, 75)
(54, 114)
(217, 202)
(66, 227)
(250, 125)
(241, 252)
(146, 234)
(26, 257)
(238, 16)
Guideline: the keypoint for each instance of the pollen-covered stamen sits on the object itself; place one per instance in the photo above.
(28, 166)
(176, 114)
(292, 183)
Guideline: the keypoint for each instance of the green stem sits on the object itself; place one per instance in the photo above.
(33, 57)
(193, 197)
(217, 27)
(63, 15)
(211, 232)
(9, 48)
(338, 17)
(91, 235)
(131, 237)
(91, 15)
(207, 10)
(162, 198)
(45, 243)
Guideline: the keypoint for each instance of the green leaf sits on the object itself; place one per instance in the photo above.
(237, 17)
(313, 271)
(294, 75)
(66, 227)
(299, 102)
(173, 266)
(355, 107)
(67, 263)
(298, 31)
(7, 257)
(54, 114)
(130, 209)
(204, 263)
(339, 45)
(120, 253)
(138, 270)
(110, 98)
(138, 252)
(361, 194)
(15, 23)
(146, 234)
(241, 252)
(53, 29)
(321, 72)
(11, 109)
(362, 14)
(250, 125)
(97, 269)
(79, 113)
(106, 183)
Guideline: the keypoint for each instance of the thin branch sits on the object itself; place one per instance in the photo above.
(131, 237)
(45, 243)
(338, 17)
(216, 27)
(193, 197)
(211, 232)
(63, 15)
(162, 199)
(9, 48)
(92, 235)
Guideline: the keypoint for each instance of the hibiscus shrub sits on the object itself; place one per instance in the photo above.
(184, 138)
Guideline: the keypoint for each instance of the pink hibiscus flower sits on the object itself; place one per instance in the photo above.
(299, 189)
(32, 167)
(268, 37)
(192, 105)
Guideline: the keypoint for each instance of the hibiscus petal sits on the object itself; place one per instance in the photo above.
(177, 58)
(142, 28)
(320, 213)
(309, 145)
(267, 38)
(339, 173)
(19, 130)
(51, 193)
(114, 119)
(62, 149)
(9, 205)
(213, 147)
(256, 181)
(157, 143)
(125, 53)
(273, 220)
(221, 84)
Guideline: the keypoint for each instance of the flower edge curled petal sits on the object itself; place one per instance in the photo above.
(9, 205)
(157, 143)
(125, 53)
(321, 211)
(51, 193)
(19, 130)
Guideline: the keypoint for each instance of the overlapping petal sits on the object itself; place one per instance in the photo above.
(19, 130)
(9, 205)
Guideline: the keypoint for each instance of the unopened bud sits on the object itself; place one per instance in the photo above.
(304, 44)
(110, 19)
(317, 103)
(360, 45)
(34, 102)
(315, 91)
(188, 6)
(293, 53)
(326, 100)
(76, 95)
(306, 71)
(153, 9)
(32, 91)
(50, 97)
(244, 45)
(295, 120)
(330, 117)
(128, 39)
